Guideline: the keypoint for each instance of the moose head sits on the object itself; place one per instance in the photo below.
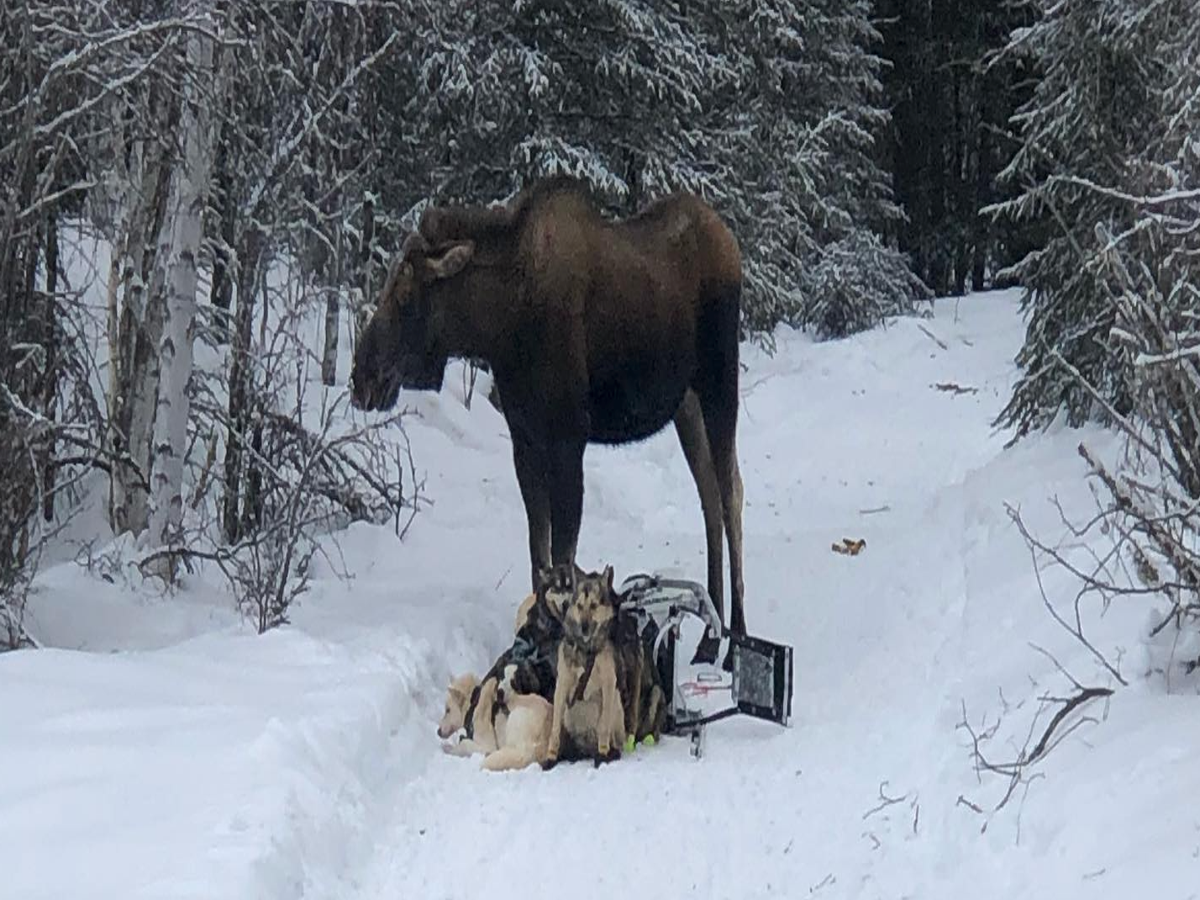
(403, 345)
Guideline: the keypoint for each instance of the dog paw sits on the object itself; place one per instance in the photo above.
(606, 756)
(549, 763)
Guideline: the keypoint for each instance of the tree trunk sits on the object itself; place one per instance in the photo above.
(221, 294)
(50, 333)
(332, 305)
(366, 260)
(139, 333)
(252, 501)
(180, 248)
(961, 186)
(239, 377)
(982, 194)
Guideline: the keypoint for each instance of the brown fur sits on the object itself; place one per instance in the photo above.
(589, 720)
(642, 696)
(596, 331)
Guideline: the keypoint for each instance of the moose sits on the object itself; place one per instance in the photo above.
(595, 330)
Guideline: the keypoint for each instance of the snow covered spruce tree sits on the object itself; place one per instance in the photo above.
(1096, 119)
(1112, 157)
(820, 114)
(951, 99)
(766, 107)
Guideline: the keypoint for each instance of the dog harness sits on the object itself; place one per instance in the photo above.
(535, 646)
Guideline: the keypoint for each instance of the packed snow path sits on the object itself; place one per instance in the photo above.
(853, 439)
(202, 762)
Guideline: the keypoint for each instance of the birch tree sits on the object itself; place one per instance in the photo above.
(180, 251)
(64, 68)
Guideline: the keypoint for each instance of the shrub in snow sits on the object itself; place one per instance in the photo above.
(856, 284)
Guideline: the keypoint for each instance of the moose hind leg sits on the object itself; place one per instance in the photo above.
(689, 426)
(718, 390)
(721, 420)
(733, 501)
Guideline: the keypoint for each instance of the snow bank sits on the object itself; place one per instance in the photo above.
(198, 760)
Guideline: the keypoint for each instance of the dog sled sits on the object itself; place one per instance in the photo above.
(746, 675)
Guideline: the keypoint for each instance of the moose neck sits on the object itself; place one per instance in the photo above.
(477, 313)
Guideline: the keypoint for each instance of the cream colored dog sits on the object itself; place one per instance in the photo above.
(510, 729)
(523, 611)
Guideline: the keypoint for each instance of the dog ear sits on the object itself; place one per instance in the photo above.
(608, 581)
(541, 581)
(568, 577)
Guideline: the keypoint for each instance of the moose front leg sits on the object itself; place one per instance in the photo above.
(566, 498)
(529, 461)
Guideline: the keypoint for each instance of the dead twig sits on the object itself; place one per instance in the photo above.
(933, 337)
(874, 510)
(951, 387)
(884, 801)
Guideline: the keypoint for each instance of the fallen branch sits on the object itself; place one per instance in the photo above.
(884, 802)
(933, 337)
(1016, 771)
(1068, 706)
(951, 387)
(874, 510)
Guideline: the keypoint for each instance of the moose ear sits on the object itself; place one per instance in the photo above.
(452, 261)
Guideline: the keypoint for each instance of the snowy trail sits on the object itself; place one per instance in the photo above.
(163, 752)
(877, 637)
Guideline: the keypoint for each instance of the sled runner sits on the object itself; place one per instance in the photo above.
(758, 682)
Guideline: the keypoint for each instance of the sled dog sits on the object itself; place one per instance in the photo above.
(511, 727)
(638, 679)
(588, 717)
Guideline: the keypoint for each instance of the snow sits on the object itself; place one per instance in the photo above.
(161, 749)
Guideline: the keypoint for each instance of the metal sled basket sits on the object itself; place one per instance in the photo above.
(754, 677)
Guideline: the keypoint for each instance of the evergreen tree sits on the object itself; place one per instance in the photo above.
(769, 108)
(951, 97)
(1091, 135)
